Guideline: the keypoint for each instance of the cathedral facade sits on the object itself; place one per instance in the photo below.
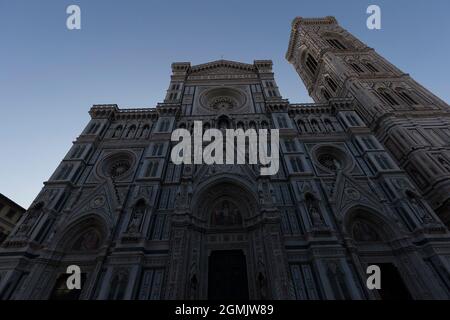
(364, 179)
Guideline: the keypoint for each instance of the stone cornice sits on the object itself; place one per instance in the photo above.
(279, 105)
(222, 63)
(112, 111)
(333, 106)
(305, 21)
(168, 109)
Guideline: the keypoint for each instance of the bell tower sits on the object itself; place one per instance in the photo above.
(411, 122)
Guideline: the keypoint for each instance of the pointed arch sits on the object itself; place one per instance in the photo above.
(85, 234)
(378, 223)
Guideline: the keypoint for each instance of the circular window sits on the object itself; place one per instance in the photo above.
(119, 168)
(117, 165)
(332, 158)
(329, 161)
(222, 99)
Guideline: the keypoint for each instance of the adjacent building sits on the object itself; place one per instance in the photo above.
(10, 213)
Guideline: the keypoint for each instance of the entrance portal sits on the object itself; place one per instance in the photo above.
(392, 285)
(227, 275)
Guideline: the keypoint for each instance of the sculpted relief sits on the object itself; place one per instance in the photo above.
(226, 214)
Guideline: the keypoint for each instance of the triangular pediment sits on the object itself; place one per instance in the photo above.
(222, 67)
(347, 192)
(102, 200)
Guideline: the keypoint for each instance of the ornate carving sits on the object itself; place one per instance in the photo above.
(88, 241)
(226, 214)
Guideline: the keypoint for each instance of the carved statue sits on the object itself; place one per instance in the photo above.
(136, 218)
(419, 208)
(223, 215)
(314, 211)
(315, 216)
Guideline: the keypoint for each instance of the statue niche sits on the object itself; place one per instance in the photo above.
(225, 213)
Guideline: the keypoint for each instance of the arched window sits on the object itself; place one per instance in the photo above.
(145, 130)
(331, 84)
(93, 128)
(335, 43)
(131, 131)
(78, 151)
(75, 152)
(352, 119)
(311, 63)
(356, 67)
(252, 125)
(383, 161)
(65, 172)
(117, 131)
(240, 125)
(206, 126)
(282, 123)
(290, 145)
(301, 126)
(152, 169)
(164, 126)
(326, 94)
(315, 125)
(371, 67)
(223, 123)
(388, 97)
(329, 125)
(406, 97)
(264, 125)
(158, 149)
(369, 143)
(297, 164)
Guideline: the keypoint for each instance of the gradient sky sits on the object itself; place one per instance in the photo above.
(50, 76)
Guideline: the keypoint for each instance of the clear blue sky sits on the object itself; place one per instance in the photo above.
(50, 76)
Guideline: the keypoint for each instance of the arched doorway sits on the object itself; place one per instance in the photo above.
(226, 253)
(371, 236)
(227, 275)
(81, 244)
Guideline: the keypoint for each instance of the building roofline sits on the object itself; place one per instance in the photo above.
(304, 21)
(11, 202)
